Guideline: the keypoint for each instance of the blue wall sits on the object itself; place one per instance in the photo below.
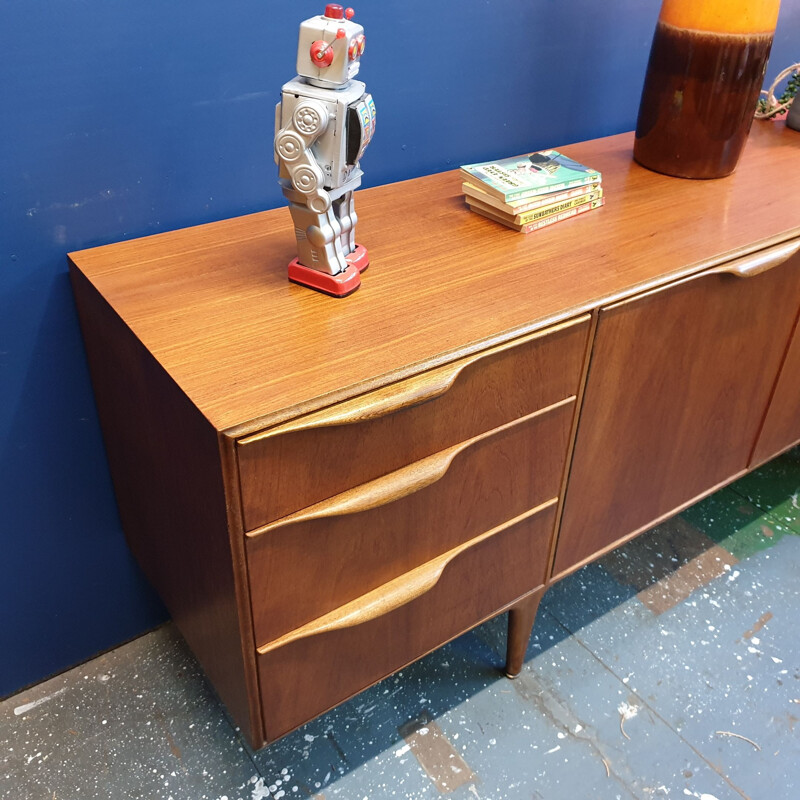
(120, 118)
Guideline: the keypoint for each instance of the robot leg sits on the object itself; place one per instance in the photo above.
(319, 236)
(321, 263)
(345, 210)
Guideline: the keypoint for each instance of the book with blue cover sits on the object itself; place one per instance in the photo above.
(530, 175)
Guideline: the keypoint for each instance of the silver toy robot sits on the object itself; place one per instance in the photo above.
(323, 124)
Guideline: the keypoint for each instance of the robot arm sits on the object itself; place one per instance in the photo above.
(293, 152)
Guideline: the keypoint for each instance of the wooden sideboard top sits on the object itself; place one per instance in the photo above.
(213, 305)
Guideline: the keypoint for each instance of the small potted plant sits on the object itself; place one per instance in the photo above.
(770, 107)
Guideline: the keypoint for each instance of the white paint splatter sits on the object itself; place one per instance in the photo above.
(24, 709)
(554, 749)
(260, 791)
(401, 751)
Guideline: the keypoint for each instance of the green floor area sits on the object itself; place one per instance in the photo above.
(755, 512)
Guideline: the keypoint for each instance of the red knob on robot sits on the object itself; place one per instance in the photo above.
(335, 11)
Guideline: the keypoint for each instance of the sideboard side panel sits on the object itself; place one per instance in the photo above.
(165, 462)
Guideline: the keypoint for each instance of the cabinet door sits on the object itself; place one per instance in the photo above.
(678, 385)
(782, 426)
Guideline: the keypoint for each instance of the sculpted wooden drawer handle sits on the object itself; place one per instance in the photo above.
(395, 485)
(395, 593)
(759, 262)
(398, 396)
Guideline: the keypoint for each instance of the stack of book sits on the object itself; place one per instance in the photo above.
(532, 191)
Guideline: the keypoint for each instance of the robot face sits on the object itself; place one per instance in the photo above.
(330, 47)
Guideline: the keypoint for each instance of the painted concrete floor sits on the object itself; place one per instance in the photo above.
(669, 669)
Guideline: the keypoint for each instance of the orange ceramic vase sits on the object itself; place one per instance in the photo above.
(706, 69)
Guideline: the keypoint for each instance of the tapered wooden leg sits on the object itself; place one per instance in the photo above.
(520, 624)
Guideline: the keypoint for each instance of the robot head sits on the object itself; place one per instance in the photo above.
(330, 47)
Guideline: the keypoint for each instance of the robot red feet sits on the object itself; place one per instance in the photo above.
(340, 285)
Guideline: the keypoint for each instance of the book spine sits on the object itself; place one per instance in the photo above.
(522, 207)
(560, 197)
(555, 208)
(553, 218)
(556, 187)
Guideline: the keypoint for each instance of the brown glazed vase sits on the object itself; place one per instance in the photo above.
(706, 70)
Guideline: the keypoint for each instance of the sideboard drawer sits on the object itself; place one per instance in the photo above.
(321, 558)
(312, 458)
(316, 667)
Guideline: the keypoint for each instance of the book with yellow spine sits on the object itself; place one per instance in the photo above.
(538, 213)
(543, 222)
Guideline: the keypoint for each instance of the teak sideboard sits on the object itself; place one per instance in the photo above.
(323, 491)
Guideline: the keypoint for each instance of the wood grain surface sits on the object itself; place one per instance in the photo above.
(393, 594)
(306, 567)
(782, 424)
(678, 385)
(320, 455)
(307, 676)
(213, 304)
(168, 479)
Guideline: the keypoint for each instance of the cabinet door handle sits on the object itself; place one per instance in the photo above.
(393, 594)
(395, 485)
(756, 263)
(398, 396)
